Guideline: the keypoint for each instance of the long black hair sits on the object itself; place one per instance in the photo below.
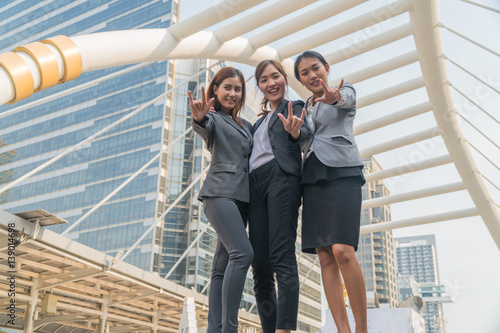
(307, 54)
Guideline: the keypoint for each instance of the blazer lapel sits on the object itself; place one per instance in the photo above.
(258, 122)
(280, 109)
(315, 113)
(231, 122)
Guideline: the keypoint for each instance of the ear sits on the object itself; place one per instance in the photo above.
(327, 69)
(215, 90)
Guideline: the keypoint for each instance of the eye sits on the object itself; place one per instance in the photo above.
(263, 81)
(276, 77)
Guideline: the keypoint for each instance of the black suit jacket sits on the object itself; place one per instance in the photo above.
(286, 152)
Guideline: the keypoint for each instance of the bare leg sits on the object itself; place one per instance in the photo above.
(283, 331)
(332, 283)
(347, 262)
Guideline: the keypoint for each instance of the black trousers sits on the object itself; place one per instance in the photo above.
(232, 259)
(272, 216)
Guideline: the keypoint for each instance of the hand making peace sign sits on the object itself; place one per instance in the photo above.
(331, 95)
(293, 123)
(200, 108)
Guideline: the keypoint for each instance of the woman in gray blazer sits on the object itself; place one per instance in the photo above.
(225, 192)
(331, 181)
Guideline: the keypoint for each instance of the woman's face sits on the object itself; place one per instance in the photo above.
(273, 85)
(310, 71)
(229, 93)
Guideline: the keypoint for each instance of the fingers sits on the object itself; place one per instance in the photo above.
(320, 99)
(203, 97)
(211, 102)
(191, 102)
(303, 114)
(283, 119)
(290, 110)
(341, 84)
(323, 85)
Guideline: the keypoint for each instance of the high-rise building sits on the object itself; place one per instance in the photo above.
(376, 250)
(417, 259)
(44, 126)
(416, 256)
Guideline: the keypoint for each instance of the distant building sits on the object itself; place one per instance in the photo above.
(407, 286)
(417, 264)
(376, 250)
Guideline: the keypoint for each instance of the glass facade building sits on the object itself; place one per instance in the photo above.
(44, 126)
(74, 184)
(416, 257)
(376, 250)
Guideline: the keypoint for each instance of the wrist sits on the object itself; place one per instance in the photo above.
(200, 120)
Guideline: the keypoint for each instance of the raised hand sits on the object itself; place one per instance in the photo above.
(200, 108)
(292, 123)
(331, 95)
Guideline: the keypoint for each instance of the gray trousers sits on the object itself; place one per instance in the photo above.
(232, 259)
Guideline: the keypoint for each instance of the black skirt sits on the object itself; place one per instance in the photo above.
(331, 208)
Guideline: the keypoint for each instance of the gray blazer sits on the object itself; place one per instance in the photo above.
(333, 137)
(230, 146)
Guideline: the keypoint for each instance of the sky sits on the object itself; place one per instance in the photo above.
(468, 258)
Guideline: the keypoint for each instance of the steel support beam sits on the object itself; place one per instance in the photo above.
(366, 229)
(29, 320)
(379, 68)
(408, 168)
(427, 35)
(390, 92)
(400, 142)
(426, 192)
(392, 118)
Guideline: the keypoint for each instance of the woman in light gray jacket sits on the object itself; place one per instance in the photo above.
(331, 181)
(225, 192)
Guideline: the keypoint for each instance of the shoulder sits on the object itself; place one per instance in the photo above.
(298, 102)
(348, 85)
(246, 123)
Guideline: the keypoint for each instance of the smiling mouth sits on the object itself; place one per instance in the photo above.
(315, 83)
(273, 91)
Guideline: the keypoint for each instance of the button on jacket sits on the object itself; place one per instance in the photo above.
(230, 146)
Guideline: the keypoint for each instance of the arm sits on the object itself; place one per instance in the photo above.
(343, 96)
(348, 97)
(204, 128)
(201, 123)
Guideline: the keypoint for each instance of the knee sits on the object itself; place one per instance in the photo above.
(325, 257)
(246, 256)
(344, 254)
(262, 270)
